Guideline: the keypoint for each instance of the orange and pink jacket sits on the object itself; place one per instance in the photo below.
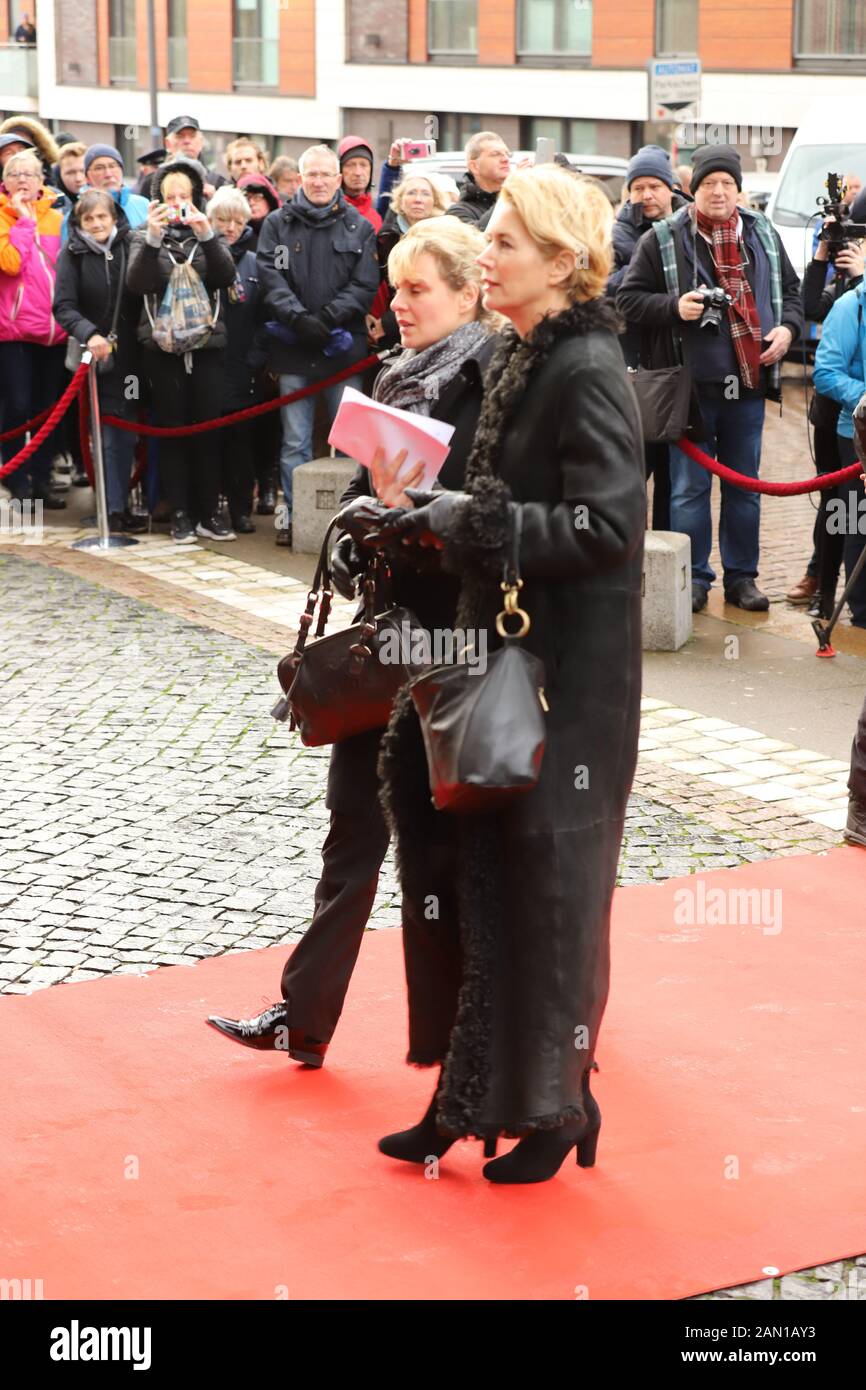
(28, 256)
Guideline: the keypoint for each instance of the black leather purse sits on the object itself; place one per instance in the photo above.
(346, 683)
(484, 732)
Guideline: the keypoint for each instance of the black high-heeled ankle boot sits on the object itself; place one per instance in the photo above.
(422, 1141)
(540, 1155)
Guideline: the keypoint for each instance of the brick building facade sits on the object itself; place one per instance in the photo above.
(294, 71)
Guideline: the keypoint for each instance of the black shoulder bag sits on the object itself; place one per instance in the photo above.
(345, 684)
(484, 729)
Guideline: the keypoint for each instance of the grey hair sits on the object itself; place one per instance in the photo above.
(318, 150)
(229, 200)
(476, 143)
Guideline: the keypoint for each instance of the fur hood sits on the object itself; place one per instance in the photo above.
(28, 126)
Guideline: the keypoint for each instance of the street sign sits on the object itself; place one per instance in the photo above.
(674, 84)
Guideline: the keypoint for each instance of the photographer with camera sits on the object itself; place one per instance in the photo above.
(712, 286)
(837, 266)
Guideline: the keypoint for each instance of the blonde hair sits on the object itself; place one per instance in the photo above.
(242, 143)
(564, 213)
(178, 176)
(455, 247)
(75, 150)
(440, 202)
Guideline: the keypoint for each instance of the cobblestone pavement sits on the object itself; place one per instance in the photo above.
(152, 814)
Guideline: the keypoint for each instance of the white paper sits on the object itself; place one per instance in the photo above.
(362, 426)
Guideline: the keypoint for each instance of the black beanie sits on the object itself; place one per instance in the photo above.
(716, 159)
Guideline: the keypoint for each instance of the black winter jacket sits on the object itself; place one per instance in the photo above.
(85, 295)
(150, 270)
(318, 261)
(474, 203)
(242, 321)
(629, 227)
(431, 594)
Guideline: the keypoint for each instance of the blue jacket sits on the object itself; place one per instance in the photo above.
(388, 178)
(242, 315)
(840, 362)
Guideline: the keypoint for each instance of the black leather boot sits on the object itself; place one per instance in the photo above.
(539, 1156)
(855, 830)
(270, 1032)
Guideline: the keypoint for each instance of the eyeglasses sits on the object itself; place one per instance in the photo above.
(15, 174)
(108, 168)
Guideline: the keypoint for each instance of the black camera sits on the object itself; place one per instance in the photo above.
(715, 303)
(839, 233)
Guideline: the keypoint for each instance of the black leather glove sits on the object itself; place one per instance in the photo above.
(311, 330)
(347, 563)
(363, 515)
(432, 521)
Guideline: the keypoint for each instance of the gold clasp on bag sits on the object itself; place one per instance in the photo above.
(511, 610)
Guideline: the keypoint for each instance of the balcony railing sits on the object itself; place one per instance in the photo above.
(256, 62)
(122, 61)
(18, 76)
(178, 68)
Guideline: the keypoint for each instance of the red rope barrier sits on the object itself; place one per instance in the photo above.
(28, 425)
(166, 432)
(774, 489)
(57, 411)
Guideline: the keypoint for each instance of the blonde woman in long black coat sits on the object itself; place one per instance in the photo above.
(508, 986)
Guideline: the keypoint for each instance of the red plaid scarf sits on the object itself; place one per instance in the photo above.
(743, 312)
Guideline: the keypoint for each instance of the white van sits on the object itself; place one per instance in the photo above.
(816, 150)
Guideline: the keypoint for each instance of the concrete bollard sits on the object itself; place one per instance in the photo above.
(316, 491)
(667, 591)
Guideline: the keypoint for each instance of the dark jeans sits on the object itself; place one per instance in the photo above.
(31, 378)
(857, 779)
(317, 974)
(827, 547)
(734, 429)
(189, 466)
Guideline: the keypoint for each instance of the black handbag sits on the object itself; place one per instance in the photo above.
(345, 684)
(664, 398)
(484, 732)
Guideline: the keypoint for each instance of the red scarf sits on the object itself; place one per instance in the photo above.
(743, 312)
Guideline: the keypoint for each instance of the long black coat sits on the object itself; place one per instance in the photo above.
(85, 295)
(508, 983)
(431, 595)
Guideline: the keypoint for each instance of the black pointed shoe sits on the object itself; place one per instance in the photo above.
(270, 1032)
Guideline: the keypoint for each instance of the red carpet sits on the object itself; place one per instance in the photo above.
(723, 1046)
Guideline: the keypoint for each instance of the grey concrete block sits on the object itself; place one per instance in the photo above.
(316, 491)
(667, 591)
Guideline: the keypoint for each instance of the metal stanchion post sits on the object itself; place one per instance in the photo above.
(104, 540)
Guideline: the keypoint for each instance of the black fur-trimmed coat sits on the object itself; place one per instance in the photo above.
(506, 917)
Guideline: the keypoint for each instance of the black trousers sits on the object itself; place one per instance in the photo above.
(827, 548)
(317, 974)
(238, 453)
(857, 779)
(657, 463)
(189, 466)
